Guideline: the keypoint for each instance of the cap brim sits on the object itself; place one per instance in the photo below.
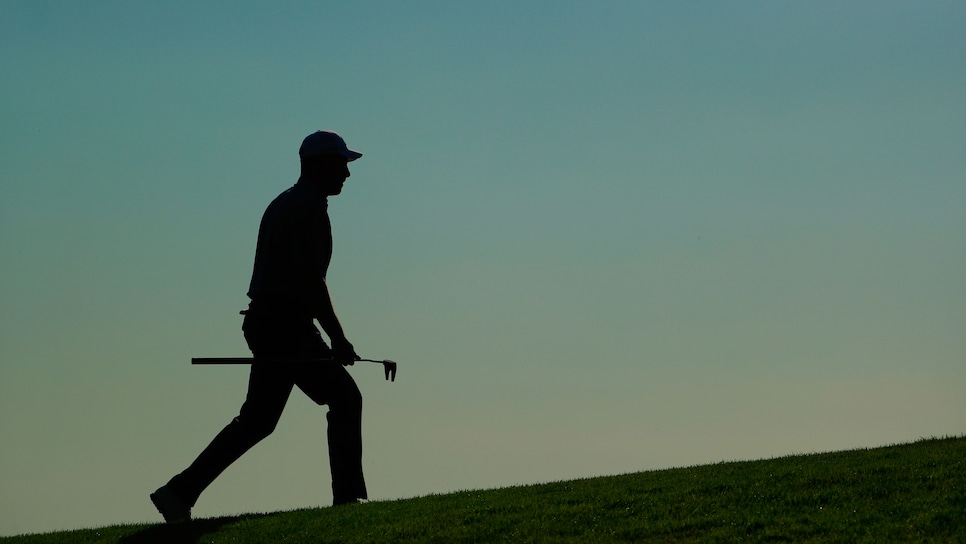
(351, 155)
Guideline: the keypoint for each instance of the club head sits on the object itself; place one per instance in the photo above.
(390, 368)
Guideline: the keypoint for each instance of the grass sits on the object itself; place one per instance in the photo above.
(906, 493)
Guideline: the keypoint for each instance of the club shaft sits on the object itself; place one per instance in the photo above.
(250, 360)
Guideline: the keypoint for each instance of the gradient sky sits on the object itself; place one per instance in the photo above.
(599, 237)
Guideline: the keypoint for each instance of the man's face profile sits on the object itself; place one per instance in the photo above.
(327, 172)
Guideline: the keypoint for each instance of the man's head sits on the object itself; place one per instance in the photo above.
(325, 161)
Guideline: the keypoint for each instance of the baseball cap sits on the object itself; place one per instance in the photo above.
(324, 142)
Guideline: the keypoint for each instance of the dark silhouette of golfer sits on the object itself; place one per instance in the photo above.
(288, 291)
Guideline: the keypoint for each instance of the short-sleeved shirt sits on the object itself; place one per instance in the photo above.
(293, 253)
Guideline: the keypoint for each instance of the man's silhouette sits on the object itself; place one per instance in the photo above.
(288, 292)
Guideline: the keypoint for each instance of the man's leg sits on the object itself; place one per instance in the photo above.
(268, 391)
(331, 384)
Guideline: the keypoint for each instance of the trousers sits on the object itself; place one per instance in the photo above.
(269, 387)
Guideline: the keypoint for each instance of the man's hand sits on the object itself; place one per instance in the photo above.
(343, 352)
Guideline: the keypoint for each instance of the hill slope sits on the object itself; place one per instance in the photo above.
(906, 493)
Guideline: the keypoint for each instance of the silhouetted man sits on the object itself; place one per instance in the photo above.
(288, 292)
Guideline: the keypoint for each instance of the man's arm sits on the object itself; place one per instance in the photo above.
(325, 314)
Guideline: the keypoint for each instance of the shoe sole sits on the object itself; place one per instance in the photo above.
(158, 503)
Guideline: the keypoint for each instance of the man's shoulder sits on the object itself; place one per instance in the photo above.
(296, 206)
(300, 197)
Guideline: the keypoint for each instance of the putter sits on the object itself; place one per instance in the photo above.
(387, 365)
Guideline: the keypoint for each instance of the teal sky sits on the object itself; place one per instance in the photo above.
(599, 237)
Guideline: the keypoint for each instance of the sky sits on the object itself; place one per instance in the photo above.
(598, 237)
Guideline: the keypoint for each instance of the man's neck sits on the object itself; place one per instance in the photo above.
(313, 185)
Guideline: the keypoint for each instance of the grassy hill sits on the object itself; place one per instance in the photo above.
(906, 493)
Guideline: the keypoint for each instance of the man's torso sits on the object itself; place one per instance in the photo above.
(292, 253)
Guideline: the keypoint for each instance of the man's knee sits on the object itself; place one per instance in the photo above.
(352, 398)
(349, 399)
(256, 427)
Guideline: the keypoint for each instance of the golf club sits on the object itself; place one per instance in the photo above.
(388, 366)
